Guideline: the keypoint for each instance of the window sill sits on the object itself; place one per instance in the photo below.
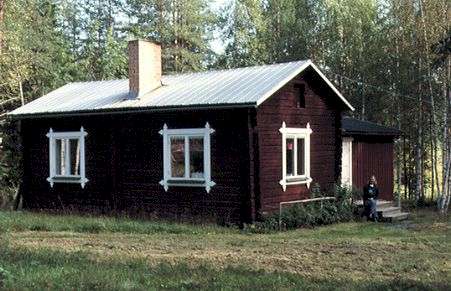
(194, 182)
(75, 177)
(296, 181)
(68, 180)
(187, 183)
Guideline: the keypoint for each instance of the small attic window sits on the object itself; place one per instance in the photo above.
(299, 90)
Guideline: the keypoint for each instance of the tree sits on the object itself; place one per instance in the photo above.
(183, 27)
(103, 50)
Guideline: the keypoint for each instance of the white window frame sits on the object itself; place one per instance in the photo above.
(53, 177)
(186, 181)
(295, 133)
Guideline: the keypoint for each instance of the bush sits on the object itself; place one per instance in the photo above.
(312, 214)
(7, 196)
(10, 163)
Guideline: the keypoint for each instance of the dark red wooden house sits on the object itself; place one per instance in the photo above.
(368, 150)
(228, 145)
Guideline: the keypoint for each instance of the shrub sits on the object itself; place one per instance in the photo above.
(312, 214)
(10, 162)
(345, 202)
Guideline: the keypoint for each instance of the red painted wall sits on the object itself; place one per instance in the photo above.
(323, 112)
(124, 165)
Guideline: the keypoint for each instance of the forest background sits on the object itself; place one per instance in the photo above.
(390, 58)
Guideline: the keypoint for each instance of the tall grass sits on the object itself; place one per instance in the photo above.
(55, 270)
(417, 263)
(29, 221)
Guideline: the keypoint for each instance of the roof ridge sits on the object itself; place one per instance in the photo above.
(235, 69)
(198, 72)
(93, 81)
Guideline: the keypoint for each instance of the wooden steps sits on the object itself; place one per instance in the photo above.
(387, 211)
(395, 217)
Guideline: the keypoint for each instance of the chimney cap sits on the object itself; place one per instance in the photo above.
(145, 40)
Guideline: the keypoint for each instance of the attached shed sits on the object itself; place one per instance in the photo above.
(368, 150)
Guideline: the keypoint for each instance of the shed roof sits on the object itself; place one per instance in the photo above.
(352, 126)
(234, 87)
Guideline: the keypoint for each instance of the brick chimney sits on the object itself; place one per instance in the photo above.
(144, 67)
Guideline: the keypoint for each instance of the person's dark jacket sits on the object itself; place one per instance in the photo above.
(370, 191)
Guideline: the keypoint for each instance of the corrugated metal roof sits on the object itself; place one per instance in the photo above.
(249, 85)
(352, 126)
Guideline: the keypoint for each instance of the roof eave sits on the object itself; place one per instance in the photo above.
(363, 133)
(129, 110)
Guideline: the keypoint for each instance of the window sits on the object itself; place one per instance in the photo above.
(295, 156)
(300, 95)
(67, 157)
(186, 157)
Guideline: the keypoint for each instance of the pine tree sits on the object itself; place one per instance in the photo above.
(183, 27)
(103, 50)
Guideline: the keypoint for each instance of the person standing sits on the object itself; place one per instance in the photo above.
(370, 195)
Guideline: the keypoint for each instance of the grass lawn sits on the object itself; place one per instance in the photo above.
(39, 251)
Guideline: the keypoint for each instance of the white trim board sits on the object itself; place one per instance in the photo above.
(54, 177)
(346, 162)
(295, 134)
(187, 180)
(308, 63)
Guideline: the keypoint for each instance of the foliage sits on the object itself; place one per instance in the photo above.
(10, 161)
(391, 59)
(311, 214)
(183, 27)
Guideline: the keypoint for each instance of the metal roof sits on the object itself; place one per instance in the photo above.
(352, 126)
(243, 86)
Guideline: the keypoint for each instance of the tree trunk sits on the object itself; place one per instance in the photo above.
(432, 166)
(2, 13)
(433, 123)
(444, 203)
(419, 145)
(404, 158)
(399, 146)
(22, 99)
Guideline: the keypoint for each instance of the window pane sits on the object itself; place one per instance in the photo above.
(196, 157)
(177, 156)
(59, 157)
(74, 157)
(301, 156)
(290, 156)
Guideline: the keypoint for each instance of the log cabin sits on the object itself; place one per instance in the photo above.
(224, 145)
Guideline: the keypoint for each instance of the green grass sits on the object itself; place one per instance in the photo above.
(29, 221)
(39, 251)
